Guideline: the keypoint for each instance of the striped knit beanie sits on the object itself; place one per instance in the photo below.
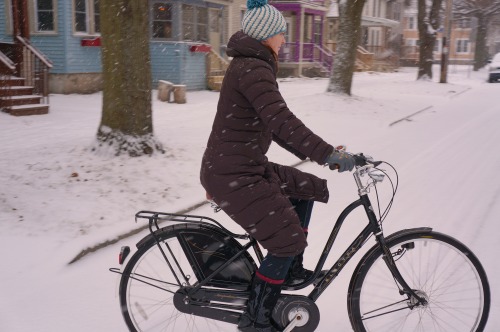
(262, 21)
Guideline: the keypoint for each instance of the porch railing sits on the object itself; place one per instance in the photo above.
(310, 53)
(7, 67)
(35, 69)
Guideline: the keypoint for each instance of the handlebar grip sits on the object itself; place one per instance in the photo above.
(362, 160)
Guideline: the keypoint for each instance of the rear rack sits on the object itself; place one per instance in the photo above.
(154, 218)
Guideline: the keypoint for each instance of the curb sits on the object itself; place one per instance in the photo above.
(101, 245)
(408, 118)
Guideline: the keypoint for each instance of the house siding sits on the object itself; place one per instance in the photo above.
(3, 24)
(174, 62)
(64, 49)
(165, 58)
(73, 63)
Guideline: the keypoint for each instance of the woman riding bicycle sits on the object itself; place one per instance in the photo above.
(271, 202)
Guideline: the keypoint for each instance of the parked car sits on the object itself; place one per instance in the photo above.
(494, 69)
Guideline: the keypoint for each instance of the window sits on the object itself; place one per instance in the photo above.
(44, 16)
(202, 24)
(437, 45)
(194, 23)
(462, 46)
(411, 23)
(317, 30)
(412, 42)
(162, 20)
(396, 14)
(87, 17)
(332, 31)
(464, 24)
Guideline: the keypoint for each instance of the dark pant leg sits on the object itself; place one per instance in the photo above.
(303, 208)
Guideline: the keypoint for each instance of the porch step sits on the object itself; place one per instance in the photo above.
(19, 100)
(12, 81)
(31, 109)
(15, 90)
(215, 82)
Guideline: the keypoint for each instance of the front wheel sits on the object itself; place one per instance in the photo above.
(439, 269)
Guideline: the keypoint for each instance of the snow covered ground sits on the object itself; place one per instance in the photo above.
(58, 198)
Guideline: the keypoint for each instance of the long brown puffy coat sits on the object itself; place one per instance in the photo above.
(235, 171)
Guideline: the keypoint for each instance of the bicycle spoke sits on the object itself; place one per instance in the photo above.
(436, 270)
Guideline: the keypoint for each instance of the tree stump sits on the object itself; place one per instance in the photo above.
(180, 94)
(165, 90)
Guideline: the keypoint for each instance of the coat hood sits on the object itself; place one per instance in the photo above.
(242, 45)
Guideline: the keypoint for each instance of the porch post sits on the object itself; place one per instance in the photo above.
(20, 24)
(301, 39)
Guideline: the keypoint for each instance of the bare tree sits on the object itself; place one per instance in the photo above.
(483, 11)
(347, 42)
(126, 124)
(428, 23)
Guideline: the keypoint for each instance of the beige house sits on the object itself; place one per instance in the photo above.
(461, 46)
(380, 36)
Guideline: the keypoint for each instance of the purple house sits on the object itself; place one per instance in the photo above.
(304, 52)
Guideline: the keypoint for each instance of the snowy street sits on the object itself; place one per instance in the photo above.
(58, 198)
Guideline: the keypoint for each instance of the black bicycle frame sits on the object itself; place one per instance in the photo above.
(373, 228)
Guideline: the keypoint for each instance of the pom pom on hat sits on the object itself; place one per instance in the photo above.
(251, 4)
(262, 21)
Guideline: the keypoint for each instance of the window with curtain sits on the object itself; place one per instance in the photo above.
(162, 20)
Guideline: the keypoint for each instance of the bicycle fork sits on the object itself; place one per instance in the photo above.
(388, 258)
(416, 300)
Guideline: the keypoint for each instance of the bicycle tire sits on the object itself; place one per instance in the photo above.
(436, 266)
(147, 285)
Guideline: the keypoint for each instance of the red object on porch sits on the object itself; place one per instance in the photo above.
(200, 48)
(91, 42)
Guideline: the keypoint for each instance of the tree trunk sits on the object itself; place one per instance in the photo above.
(428, 22)
(347, 43)
(481, 52)
(126, 123)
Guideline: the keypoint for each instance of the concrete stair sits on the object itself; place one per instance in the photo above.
(215, 82)
(18, 99)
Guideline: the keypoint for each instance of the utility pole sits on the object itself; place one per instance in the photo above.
(445, 55)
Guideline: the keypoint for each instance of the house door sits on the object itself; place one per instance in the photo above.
(215, 29)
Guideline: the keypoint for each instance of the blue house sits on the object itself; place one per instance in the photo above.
(54, 45)
(184, 35)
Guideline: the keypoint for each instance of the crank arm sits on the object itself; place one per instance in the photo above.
(293, 323)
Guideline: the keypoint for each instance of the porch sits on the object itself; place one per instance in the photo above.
(313, 61)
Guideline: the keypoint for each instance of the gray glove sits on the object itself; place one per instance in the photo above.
(341, 160)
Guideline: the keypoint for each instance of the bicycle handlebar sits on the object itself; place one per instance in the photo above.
(360, 160)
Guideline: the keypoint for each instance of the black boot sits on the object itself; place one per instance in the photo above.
(263, 298)
(298, 274)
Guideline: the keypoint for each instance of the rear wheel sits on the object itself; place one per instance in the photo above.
(148, 284)
(438, 268)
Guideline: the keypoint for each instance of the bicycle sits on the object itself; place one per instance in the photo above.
(194, 275)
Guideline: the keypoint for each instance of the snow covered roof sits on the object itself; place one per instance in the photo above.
(370, 21)
(333, 11)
